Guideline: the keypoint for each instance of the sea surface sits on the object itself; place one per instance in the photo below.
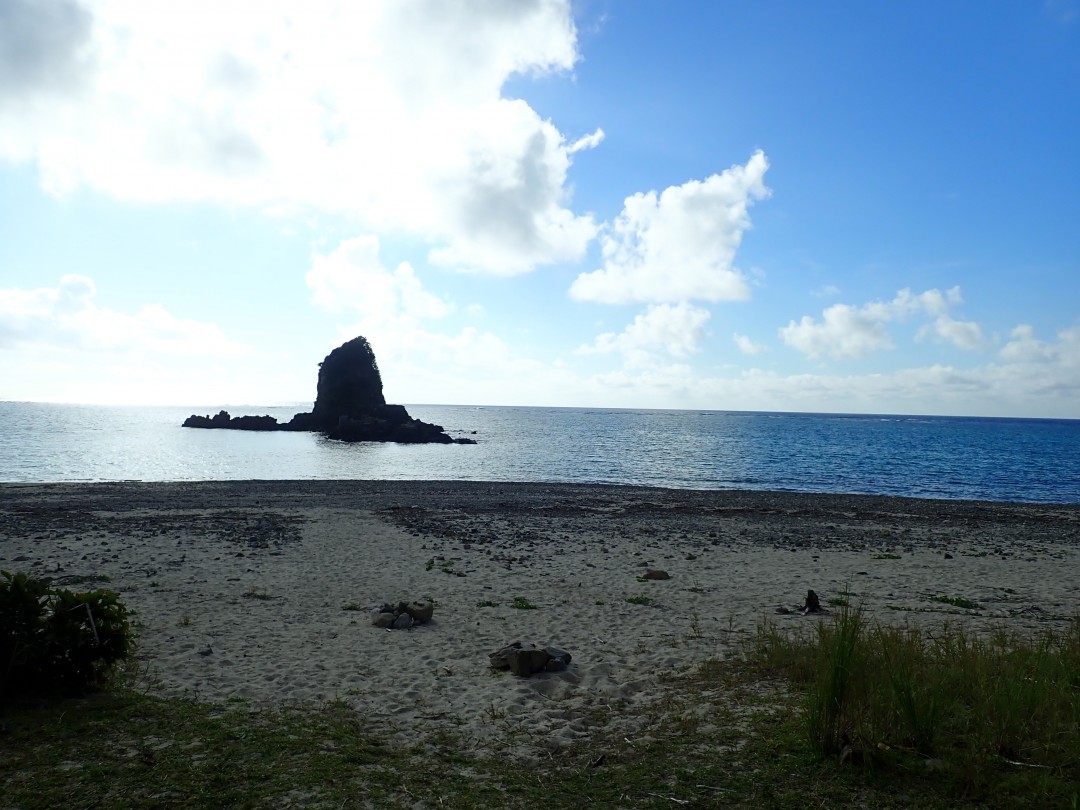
(1034, 460)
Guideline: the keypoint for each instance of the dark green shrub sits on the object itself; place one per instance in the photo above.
(54, 641)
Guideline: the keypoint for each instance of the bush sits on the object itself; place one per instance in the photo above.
(54, 641)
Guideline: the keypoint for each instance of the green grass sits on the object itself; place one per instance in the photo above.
(1001, 713)
(760, 728)
(828, 704)
(521, 603)
(487, 603)
(639, 599)
(956, 601)
(130, 751)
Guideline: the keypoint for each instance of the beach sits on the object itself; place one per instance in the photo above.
(262, 590)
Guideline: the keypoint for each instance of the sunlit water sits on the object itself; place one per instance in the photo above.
(936, 457)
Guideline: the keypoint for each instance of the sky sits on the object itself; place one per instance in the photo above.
(783, 206)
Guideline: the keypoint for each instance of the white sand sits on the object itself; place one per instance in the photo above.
(239, 589)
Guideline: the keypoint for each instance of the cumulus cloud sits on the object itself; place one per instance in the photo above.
(388, 111)
(962, 334)
(676, 329)
(352, 279)
(67, 316)
(421, 365)
(43, 47)
(845, 331)
(679, 245)
(499, 196)
(1024, 347)
(393, 310)
(479, 367)
(746, 345)
(1049, 386)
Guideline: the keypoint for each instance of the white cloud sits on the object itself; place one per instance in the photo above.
(847, 331)
(962, 334)
(679, 245)
(1049, 389)
(388, 111)
(1025, 348)
(844, 331)
(67, 316)
(394, 310)
(590, 141)
(676, 329)
(419, 365)
(747, 346)
(58, 344)
(479, 367)
(827, 291)
(352, 279)
(499, 194)
(42, 46)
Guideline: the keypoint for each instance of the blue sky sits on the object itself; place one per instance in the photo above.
(830, 206)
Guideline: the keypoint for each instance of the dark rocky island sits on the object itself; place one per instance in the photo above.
(349, 406)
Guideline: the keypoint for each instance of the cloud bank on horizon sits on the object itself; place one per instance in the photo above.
(541, 203)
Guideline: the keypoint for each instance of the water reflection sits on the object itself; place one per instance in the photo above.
(934, 457)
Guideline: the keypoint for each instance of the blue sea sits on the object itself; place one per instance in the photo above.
(1033, 460)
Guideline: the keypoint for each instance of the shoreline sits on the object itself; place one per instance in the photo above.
(240, 588)
(390, 490)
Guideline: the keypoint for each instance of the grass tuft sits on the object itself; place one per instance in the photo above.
(996, 713)
(956, 601)
(829, 713)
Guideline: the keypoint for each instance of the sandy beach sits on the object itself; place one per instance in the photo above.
(261, 590)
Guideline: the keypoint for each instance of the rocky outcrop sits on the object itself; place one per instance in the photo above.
(222, 420)
(403, 615)
(349, 384)
(349, 406)
(381, 427)
(524, 658)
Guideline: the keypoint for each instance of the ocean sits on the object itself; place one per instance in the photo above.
(1031, 460)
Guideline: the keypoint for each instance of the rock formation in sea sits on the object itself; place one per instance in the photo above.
(349, 405)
